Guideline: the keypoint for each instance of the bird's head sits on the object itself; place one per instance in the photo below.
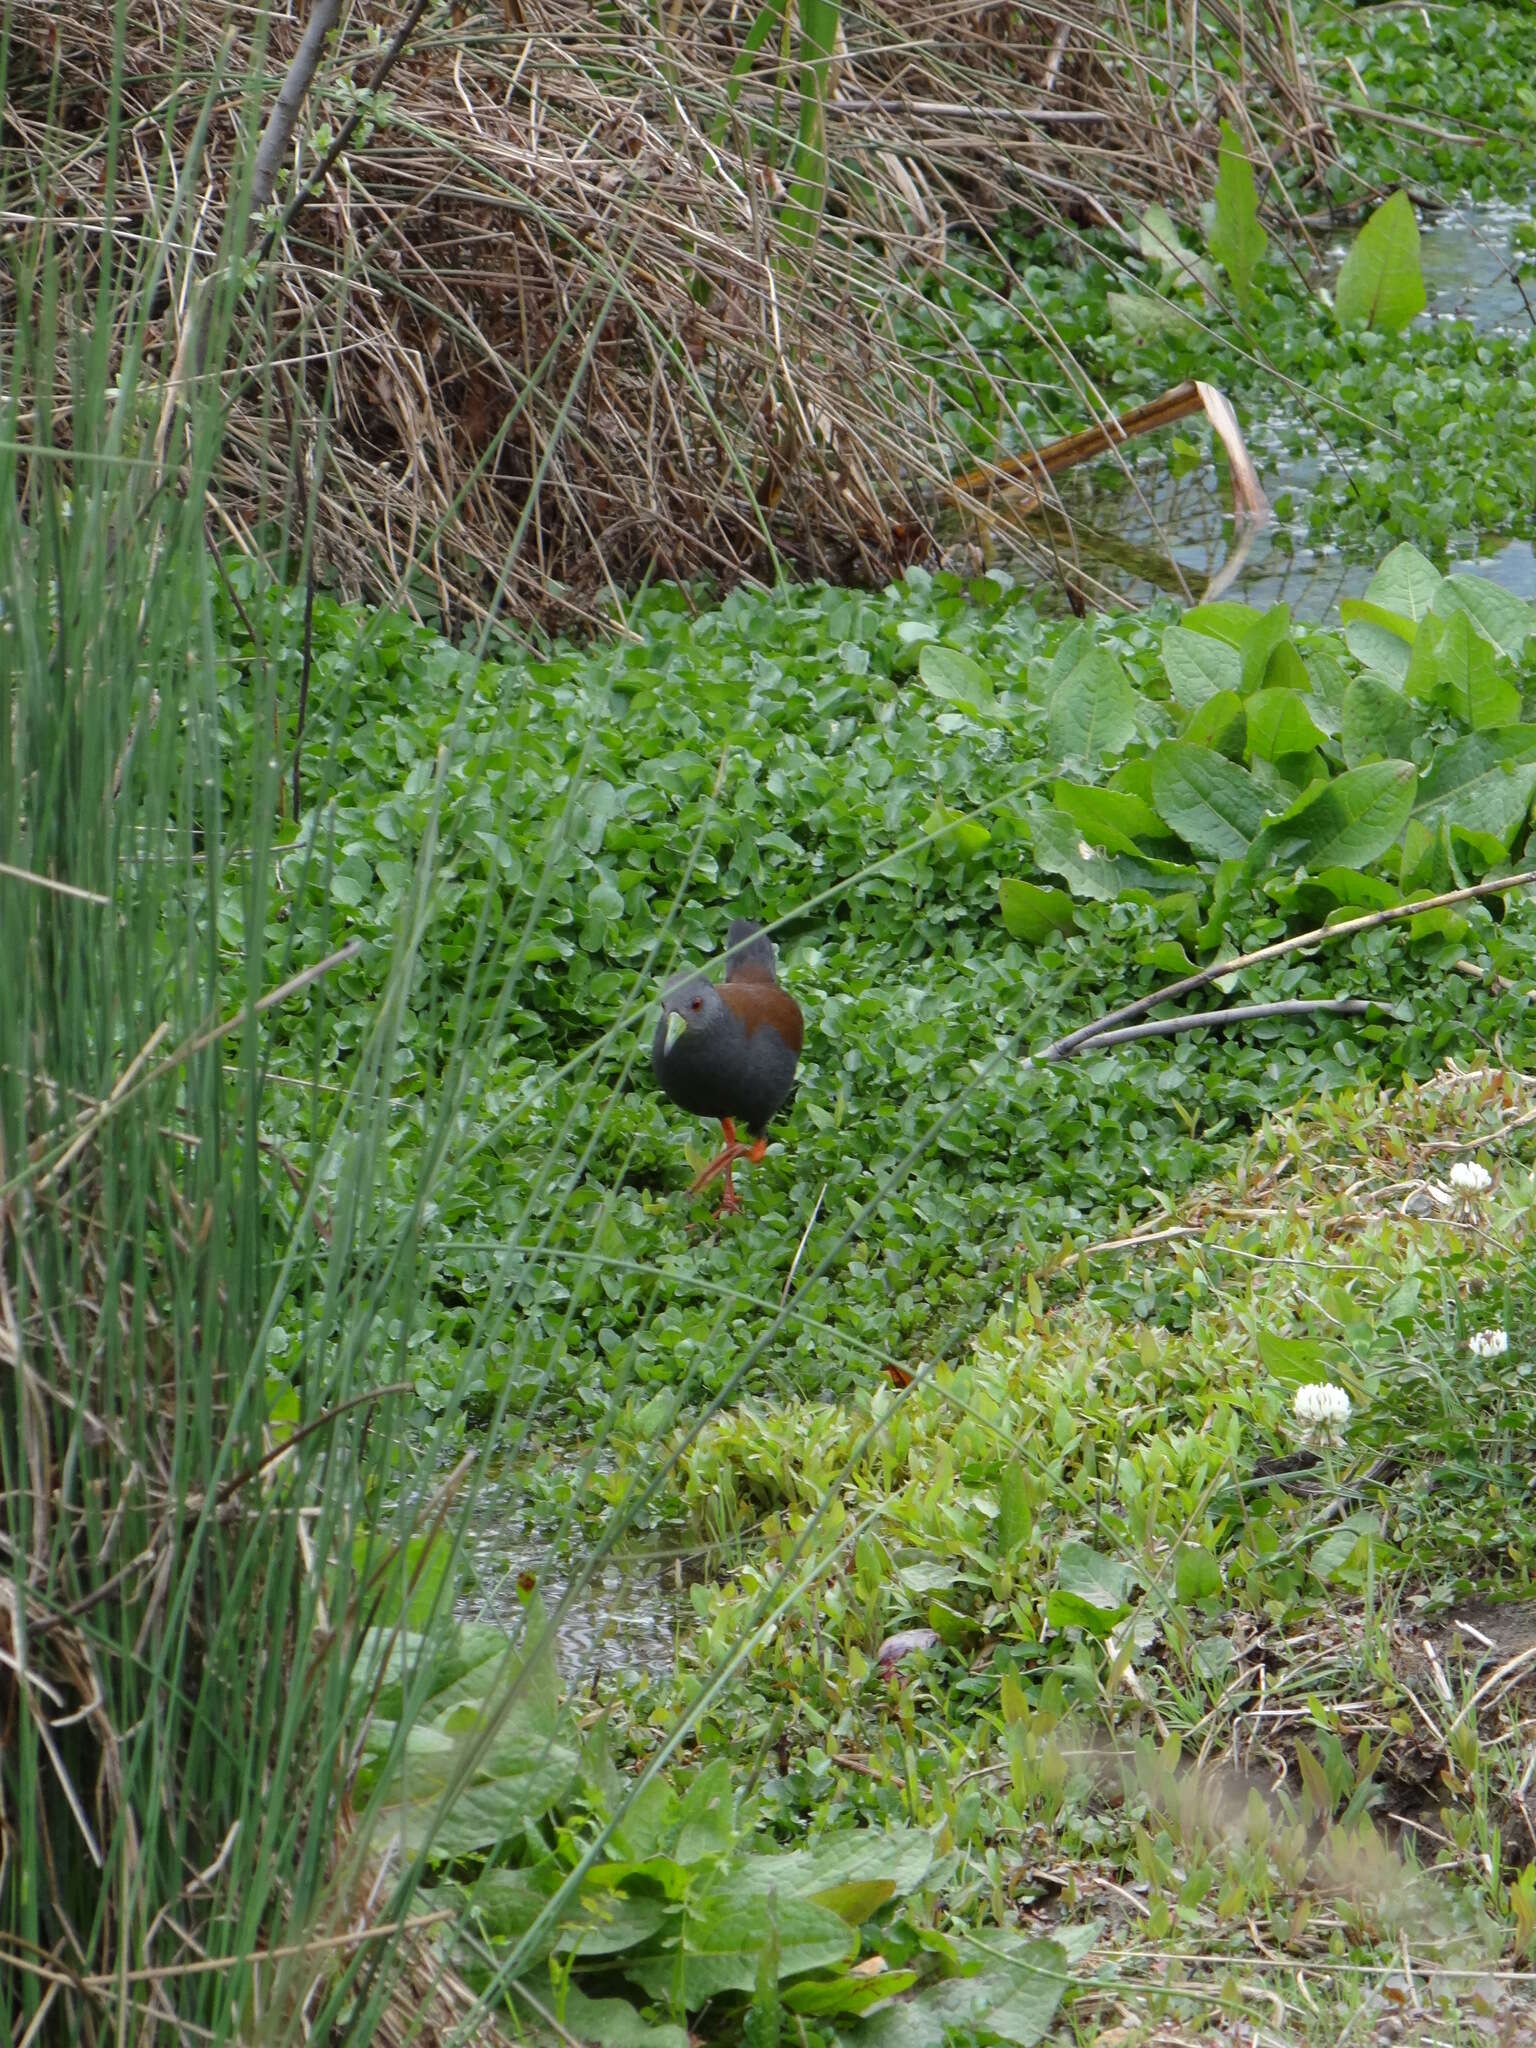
(691, 1005)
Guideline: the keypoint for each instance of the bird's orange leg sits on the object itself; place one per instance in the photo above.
(723, 1162)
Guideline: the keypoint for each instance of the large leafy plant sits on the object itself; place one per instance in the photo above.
(1317, 772)
(619, 1912)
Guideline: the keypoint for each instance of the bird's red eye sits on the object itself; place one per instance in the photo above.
(697, 1003)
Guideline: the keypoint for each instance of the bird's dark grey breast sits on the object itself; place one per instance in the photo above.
(724, 1070)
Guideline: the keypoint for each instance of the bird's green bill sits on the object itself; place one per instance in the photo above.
(677, 1024)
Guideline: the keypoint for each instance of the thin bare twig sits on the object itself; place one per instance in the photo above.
(1320, 935)
(1240, 1013)
(283, 119)
(316, 179)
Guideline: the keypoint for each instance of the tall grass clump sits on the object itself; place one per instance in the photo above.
(213, 1568)
(191, 1553)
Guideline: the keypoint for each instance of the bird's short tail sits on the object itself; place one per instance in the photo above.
(751, 953)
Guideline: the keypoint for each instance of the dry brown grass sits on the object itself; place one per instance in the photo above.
(541, 321)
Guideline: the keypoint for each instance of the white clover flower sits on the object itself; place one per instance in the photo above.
(1085, 851)
(1468, 1178)
(1321, 1406)
(1488, 1343)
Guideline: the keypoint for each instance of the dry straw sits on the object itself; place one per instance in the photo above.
(549, 322)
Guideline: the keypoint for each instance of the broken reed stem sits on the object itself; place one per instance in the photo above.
(1320, 935)
(123, 1092)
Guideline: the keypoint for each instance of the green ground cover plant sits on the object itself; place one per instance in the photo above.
(901, 777)
(1152, 1656)
(327, 1135)
(1455, 83)
(1084, 1652)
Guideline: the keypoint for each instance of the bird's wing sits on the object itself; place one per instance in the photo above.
(757, 1002)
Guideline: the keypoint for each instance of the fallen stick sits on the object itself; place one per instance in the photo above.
(1240, 1013)
(1320, 935)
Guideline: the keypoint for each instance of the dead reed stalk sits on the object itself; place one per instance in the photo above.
(549, 322)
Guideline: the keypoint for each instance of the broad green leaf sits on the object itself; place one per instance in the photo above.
(1329, 674)
(1158, 238)
(706, 1815)
(1381, 284)
(1198, 667)
(724, 1938)
(1442, 924)
(1236, 238)
(898, 1858)
(1214, 806)
(1223, 619)
(1111, 818)
(1269, 631)
(954, 834)
(1033, 913)
(1427, 866)
(1093, 712)
(1071, 1610)
(1294, 1361)
(413, 1813)
(1360, 892)
(1483, 782)
(1013, 1997)
(1406, 583)
(1103, 1581)
(1077, 646)
(1221, 724)
(1508, 621)
(950, 1625)
(956, 678)
(1476, 851)
(505, 1903)
(1196, 1574)
(1378, 723)
(1348, 822)
(1142, 317)
(1134, 776)
(647, 1822)
(603, 1923)
(826, 1997)
(1279, 723)
(608, 2022)
(1454, 665)
(1330, 1556)
(855, 1899)
(1015, 1512)
(1060, 849)
(1285, 670)
(405, 1580)
(470, 1663)
(1378, 639)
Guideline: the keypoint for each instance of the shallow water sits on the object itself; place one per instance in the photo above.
(1150, 533)
(625, 1618)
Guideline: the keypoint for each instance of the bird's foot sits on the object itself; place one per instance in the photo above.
(724, 1161)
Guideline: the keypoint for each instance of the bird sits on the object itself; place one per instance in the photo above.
(729, 1050)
